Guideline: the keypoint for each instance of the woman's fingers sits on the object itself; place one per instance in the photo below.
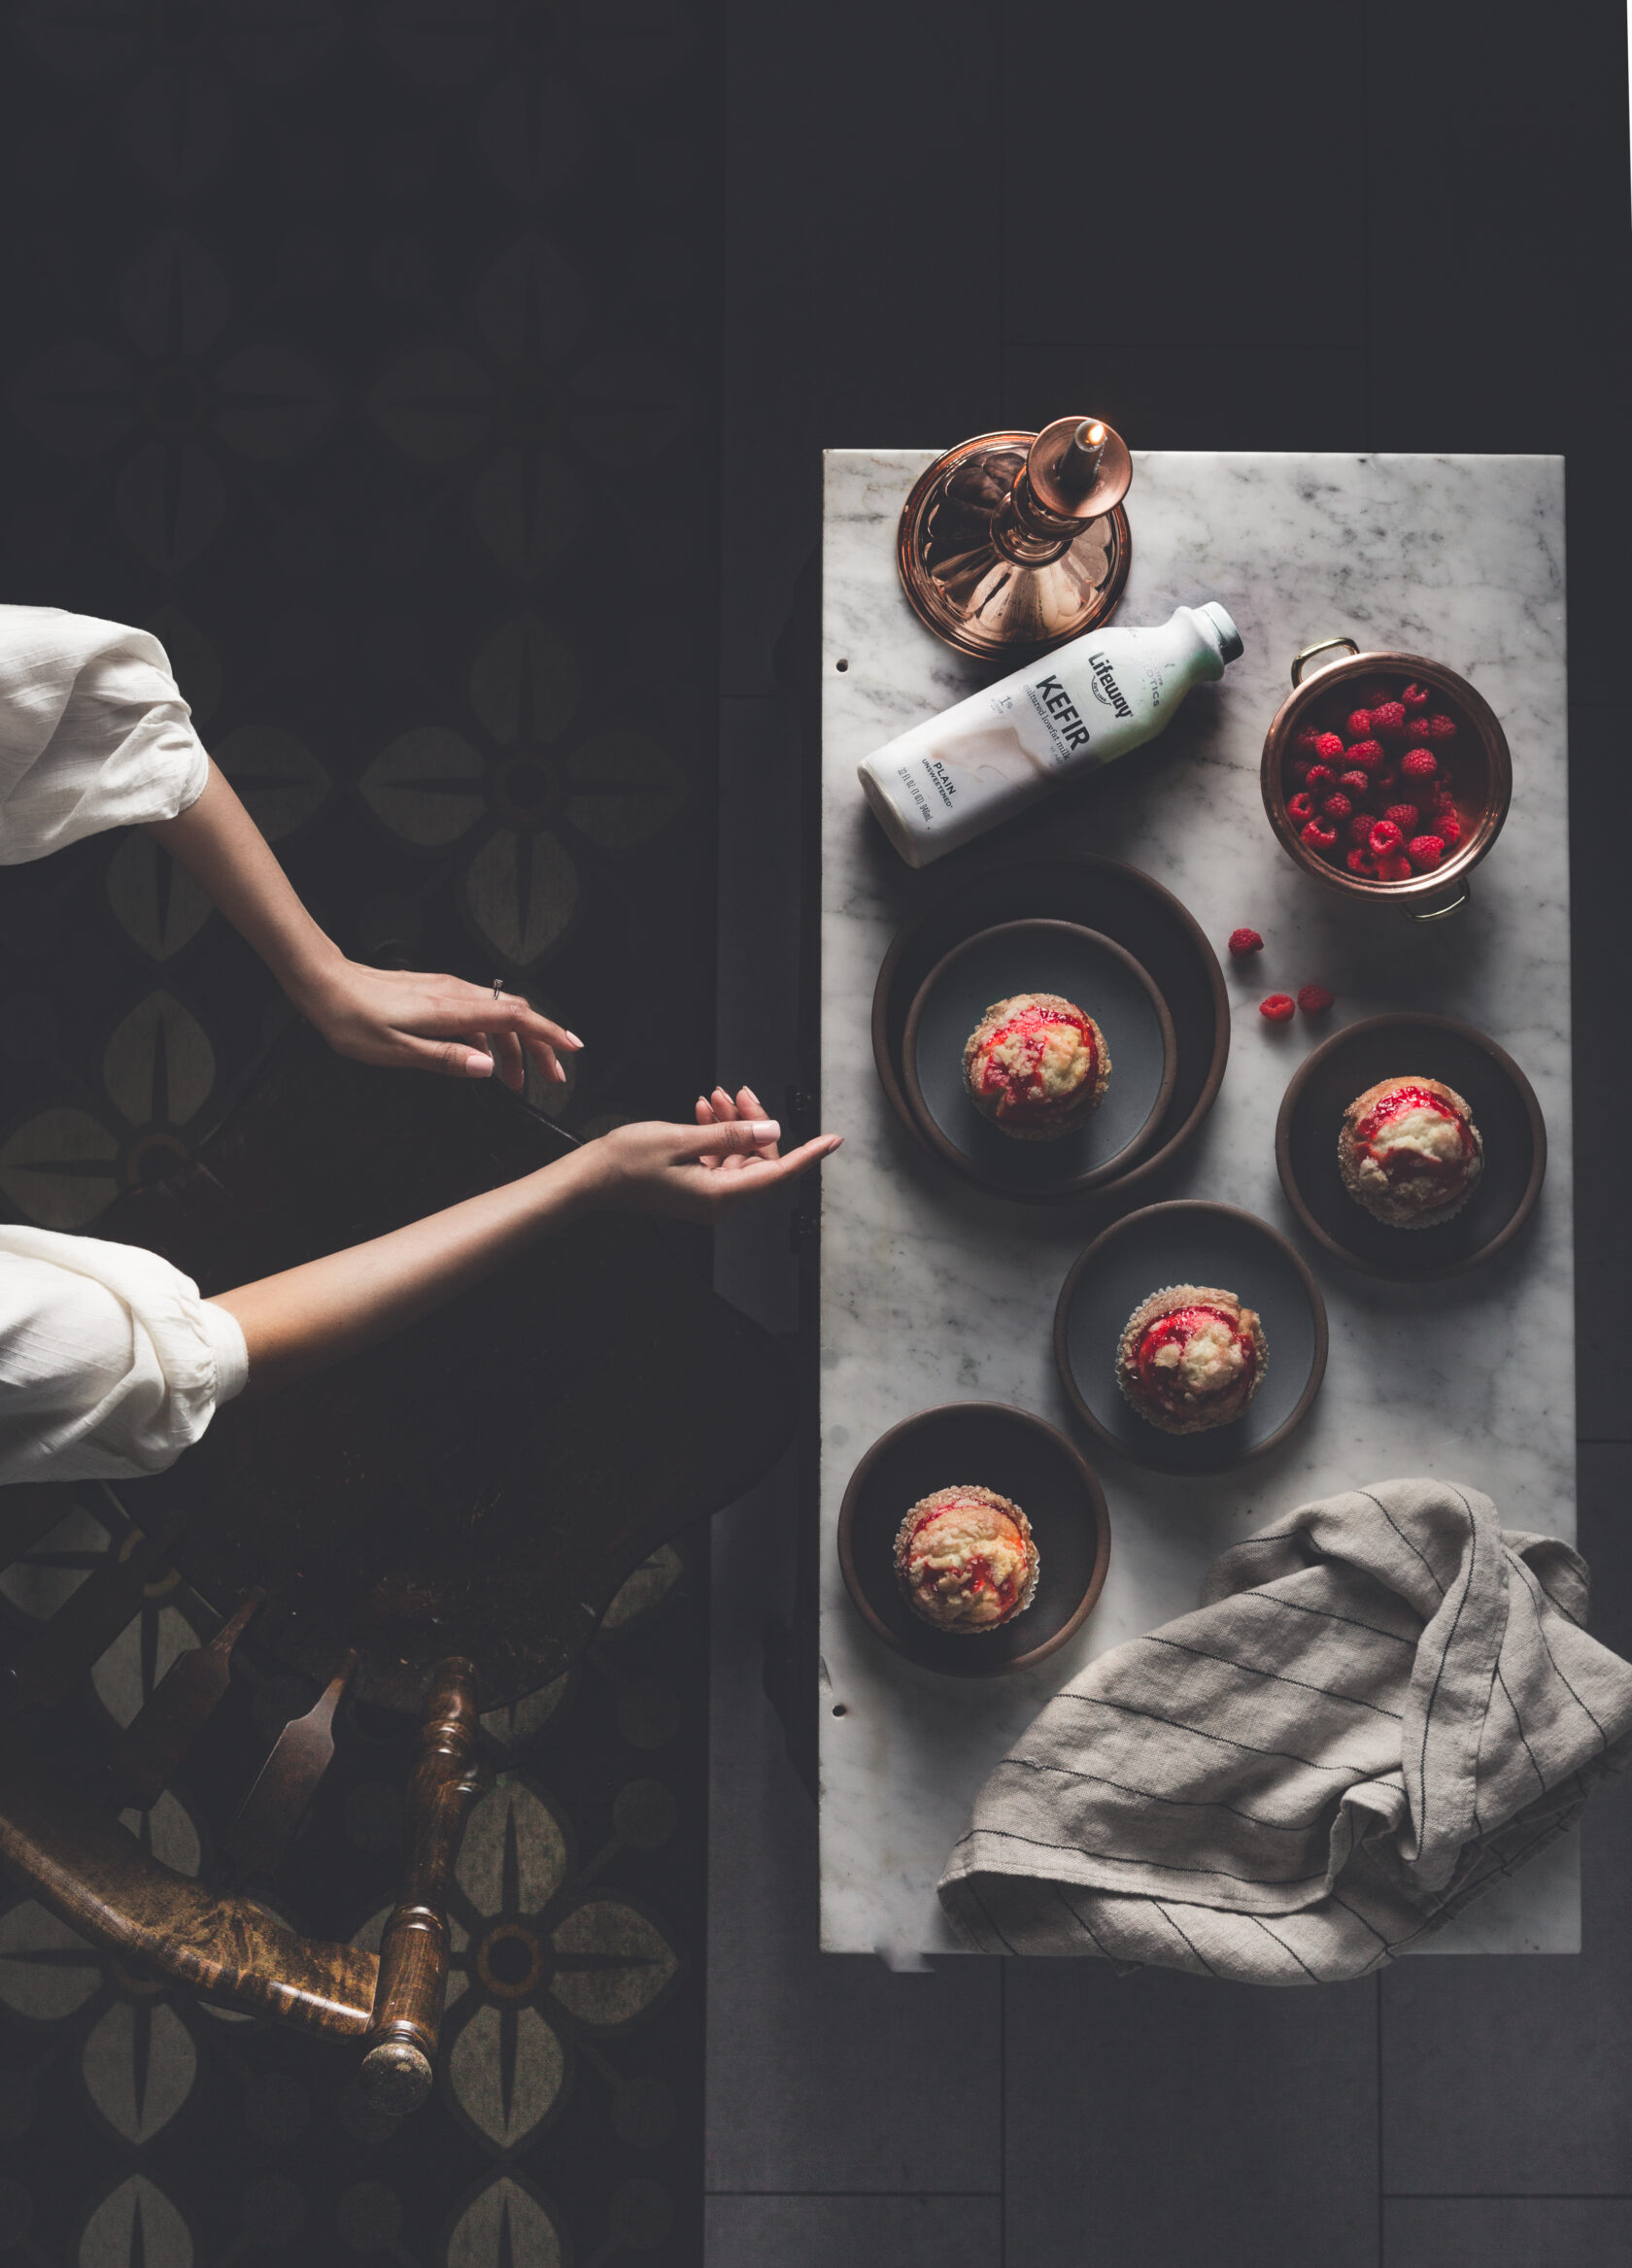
(455, 1058)
(735, 1137)
(749, 1106)
(758, 1174)
(507, 1060)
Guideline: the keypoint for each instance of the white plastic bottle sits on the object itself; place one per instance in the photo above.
(1081, 706)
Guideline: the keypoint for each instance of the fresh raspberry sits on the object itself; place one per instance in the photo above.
(1279, 1008)
(1404, 816)
(1374, 691)
(1300, 807)
(1426, 851)
(1244, 942)
(1440, 727)
(1390, 718)
(1335, 807)
(1327, 747)
(1355, 783)
(1395, 869)
(1304, 742)
(1360, 861)
(1384, 838)
(1299, 766)
(1314, 1000)
(1359, 724)
(1366, 754)
(1383, 784)
(1318, 775)
(1415, 696)
(1441, 797)
(1448, 828)
(1319, 836)
(1419, 764)
(1360, 828)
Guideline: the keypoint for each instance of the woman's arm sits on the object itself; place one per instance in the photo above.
(377, 1015)
(314, 1316)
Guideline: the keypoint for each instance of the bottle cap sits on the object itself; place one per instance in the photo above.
(1224, 629)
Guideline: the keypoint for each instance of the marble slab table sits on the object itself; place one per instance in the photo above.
(934, 1292)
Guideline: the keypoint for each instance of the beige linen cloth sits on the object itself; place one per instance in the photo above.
(1386, 1702)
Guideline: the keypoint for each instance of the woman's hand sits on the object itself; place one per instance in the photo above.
(699, 1172)
(430, 1022)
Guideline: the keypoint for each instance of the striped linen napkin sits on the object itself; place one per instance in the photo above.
(1386, 1702)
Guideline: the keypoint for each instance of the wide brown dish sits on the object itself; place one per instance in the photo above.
(1499, 1100)
(1480, 771)
(1021, 1462)
(1102, 894)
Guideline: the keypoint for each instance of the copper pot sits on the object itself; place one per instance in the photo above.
(1484, 778)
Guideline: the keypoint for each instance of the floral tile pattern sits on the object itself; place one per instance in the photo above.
(364, 350)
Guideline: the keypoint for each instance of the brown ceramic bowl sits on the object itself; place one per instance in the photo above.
(1102, 894)
(1505, 1111)
(1484, 776)
(1190, 1241)
(1022, 1458)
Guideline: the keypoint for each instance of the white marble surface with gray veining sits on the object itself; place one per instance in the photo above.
(932, 1292)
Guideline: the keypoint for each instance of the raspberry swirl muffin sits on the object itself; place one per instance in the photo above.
(965, 1558)
(1191, 1358)
(1409, 1151)
(1037, 1066)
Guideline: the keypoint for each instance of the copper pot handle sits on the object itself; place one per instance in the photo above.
(1438, 913)
(1320, 646)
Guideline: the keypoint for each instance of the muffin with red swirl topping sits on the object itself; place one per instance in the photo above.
(1037, 1066)
(1409, 1151)
(965, 1558)
(1191, 1358)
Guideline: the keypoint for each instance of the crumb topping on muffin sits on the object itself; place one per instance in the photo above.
(1035, 1065)
(1409, 1151)
(1191, 1356)
(965, 1558)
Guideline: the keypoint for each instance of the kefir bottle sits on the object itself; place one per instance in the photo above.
(1081, 706)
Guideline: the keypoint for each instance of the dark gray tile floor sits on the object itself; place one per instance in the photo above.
(1343, 228)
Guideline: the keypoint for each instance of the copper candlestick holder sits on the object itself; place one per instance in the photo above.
(1012, 543)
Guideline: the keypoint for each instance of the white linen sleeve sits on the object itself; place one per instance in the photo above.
(111, 1363)
(94, 732)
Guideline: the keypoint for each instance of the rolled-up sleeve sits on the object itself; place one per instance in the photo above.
(94, 732)
(111, 1363)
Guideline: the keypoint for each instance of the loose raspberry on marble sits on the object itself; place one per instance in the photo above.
(1415, 696)
(1366, 756)
(1384, 838)
(1279, 1008)
(1390, 718)
(1318, 775)
(1300, 807)
(1335, 807)
(1361, 861)
(1395, 869)
(1448, 828)
(1425, 852)
(1355, 784)
(1327, 747)
(1359, 829)
(1243, 943)
(1419, 764)
(1320, 837)
(1405, 817)
(1315, 1000)
(1359, 724)
(1440, 727)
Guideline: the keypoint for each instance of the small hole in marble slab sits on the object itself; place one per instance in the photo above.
(841, 664)
(839, 1709)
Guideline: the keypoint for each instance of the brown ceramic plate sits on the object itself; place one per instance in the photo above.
(1505, 1111)
(1102, 894)
(1193, 1241)
(990, 1446)
(1104, 980)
